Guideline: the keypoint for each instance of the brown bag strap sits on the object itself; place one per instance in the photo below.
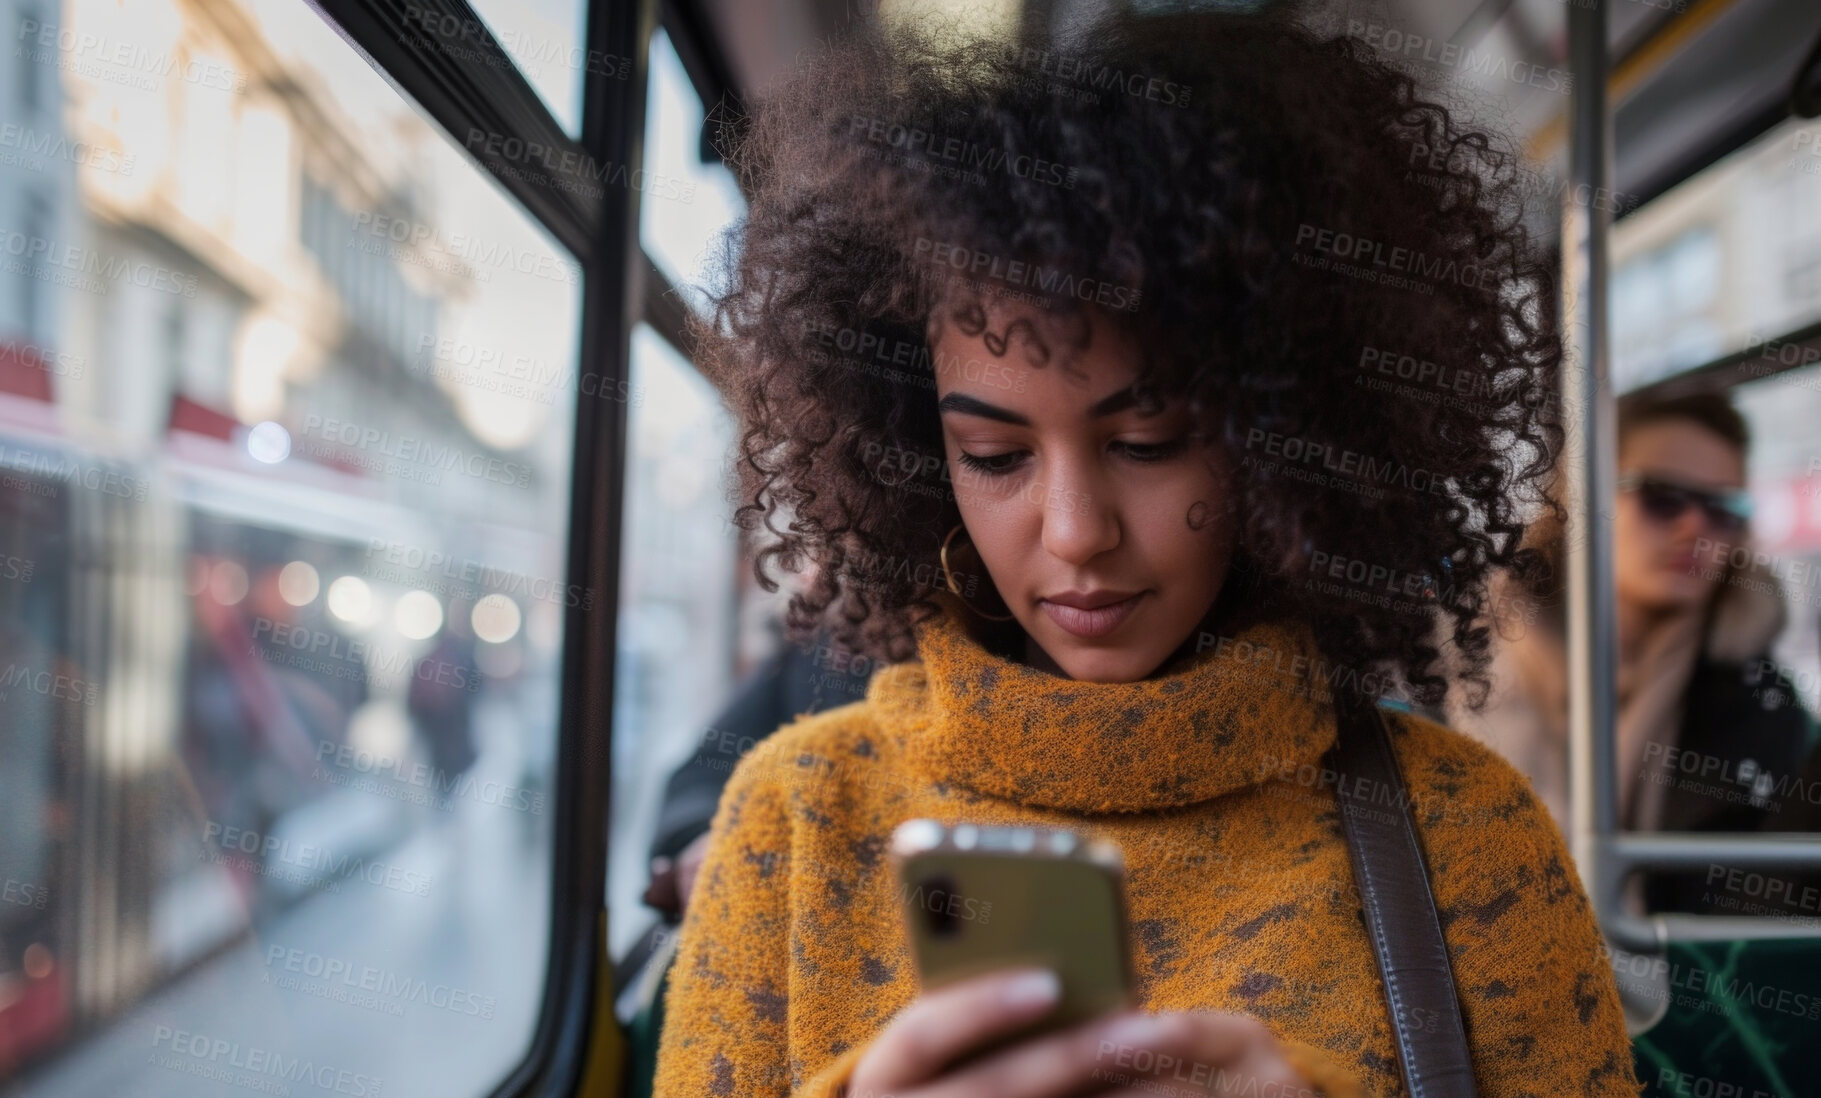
(1400, 908)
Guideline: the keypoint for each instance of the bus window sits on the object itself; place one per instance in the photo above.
(287, 397)
(1784, 412)
(691, 203)
(1714, 283)
(682, 578)
(547, 42)
(1729, 259)
(1714, 524)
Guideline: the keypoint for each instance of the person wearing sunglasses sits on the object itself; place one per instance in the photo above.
(1664, 500)
(1704, 738)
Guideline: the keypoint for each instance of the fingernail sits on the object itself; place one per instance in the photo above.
(1137, 1029)
(1033, 988)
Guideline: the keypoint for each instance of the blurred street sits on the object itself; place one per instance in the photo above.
(452, 975)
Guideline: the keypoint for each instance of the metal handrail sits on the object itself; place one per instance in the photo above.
(1591, 469)
(1653, 933)
(1621, 855)
(1689, 849)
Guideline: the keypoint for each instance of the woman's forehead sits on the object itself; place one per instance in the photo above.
(1037, 357)
(1682, 446)
(1078, 343)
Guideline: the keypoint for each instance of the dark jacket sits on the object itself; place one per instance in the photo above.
(1740, 733)
(1789, 894)
(796, 681)
(1743, 742)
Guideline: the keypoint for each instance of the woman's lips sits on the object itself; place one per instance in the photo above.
(1091, 623)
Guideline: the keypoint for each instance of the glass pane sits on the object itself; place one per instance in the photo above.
(678, 603)
(688, 203)
(1785, 475)
(686, 618)
(286, 404)
(547, 39)
(1730, 258)
(1738, 751)
(1726, 261)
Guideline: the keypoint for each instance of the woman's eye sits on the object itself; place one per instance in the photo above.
(1147, 452)
(1154, 451)
(990, 464)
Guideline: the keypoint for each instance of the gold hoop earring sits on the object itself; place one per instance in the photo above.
(954, 588)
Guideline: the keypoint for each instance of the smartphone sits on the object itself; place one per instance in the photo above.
(980, 898)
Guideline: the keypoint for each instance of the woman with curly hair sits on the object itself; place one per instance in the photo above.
(1077, 368)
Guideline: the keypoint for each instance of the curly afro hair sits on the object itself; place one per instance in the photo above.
(1333, 270)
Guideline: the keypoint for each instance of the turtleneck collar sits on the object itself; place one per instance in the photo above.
(1210, 723)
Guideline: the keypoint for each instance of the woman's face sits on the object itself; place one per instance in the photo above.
(1072, 492)
(1657, 566)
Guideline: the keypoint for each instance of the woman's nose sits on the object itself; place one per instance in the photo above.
(1080, 518)
(1692, 523)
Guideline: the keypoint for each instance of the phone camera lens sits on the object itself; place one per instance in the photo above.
(940, 912)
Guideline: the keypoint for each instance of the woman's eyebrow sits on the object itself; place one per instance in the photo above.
(973, 406)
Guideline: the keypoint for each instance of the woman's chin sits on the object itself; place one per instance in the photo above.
(1092, 662)
(1675, 591)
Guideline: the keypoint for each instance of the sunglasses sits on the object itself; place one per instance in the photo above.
(1665, 501)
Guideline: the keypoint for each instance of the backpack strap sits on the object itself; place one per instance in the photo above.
(1399, 907)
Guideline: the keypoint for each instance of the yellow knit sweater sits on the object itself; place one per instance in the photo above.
(1239, 889)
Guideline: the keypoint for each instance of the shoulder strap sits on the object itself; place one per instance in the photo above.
(1400, 909)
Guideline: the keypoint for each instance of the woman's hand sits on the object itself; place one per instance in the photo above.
(673, 879)
(1181, 1053)
(689, 864)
